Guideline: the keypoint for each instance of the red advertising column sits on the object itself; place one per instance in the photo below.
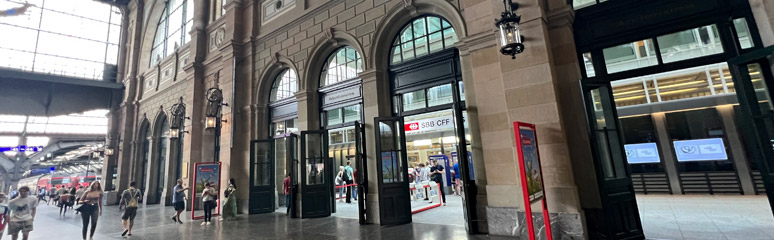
(531, 175)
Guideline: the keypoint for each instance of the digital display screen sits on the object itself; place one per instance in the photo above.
(710, 149)
(642, 153)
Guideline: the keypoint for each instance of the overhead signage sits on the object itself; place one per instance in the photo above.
(341, 95)
(710, 149)
(284, 110)
(642, 153)
(429, 124)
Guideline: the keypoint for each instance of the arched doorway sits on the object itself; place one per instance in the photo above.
(428, 136)
(161, 135)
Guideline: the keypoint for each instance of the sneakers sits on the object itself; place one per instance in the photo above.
(204, 223)
(209, 223)
(174, 219)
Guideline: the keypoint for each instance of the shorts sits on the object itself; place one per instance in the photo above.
(21, 226)
(129, 213)
(180, 206)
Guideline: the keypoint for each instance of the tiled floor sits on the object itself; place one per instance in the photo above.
(706, 217)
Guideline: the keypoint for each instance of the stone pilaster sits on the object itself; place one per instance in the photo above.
(376, 103)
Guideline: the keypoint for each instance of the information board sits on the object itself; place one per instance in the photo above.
(642, 153)
(709, 149)
(207, 172)
(530, 162)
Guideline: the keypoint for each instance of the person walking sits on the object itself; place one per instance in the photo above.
(51, 196)
(130, 200)
(42, 195)
(437, 176)
(288, 194)
(23, 209)
(178, 200)
(71, 203)
(3, 214)
(78, 195)
(64, 201)
(230, 205)
(347, 177)
(208, 199)
(91, 208)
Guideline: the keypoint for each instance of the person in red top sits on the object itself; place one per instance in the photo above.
(286, 189)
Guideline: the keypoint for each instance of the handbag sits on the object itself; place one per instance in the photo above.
(85, 208)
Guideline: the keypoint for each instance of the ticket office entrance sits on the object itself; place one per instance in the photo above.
(429, 107)
(342, 120)
(722, 38)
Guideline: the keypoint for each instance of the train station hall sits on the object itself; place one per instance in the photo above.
(387, 119)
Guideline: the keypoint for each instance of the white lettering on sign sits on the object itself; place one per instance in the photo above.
(429, 124)
(341, 95)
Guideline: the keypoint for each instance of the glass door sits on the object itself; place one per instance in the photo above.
(316, 175)
(619, 206)
(262, 190)
(394, 197)
(362, 171)
(753, 81)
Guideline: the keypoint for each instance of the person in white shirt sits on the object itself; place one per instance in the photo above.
(22, 215)
(208, 198)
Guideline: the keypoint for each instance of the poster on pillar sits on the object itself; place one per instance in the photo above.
(206, 172)
(529, 160)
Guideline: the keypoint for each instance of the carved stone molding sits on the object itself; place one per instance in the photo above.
(217, 37)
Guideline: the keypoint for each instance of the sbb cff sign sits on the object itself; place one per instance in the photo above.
(429, 124)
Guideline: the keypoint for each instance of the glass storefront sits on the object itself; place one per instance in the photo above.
(432, 136)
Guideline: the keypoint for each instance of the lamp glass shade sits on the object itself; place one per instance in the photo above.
(211, 122)
(509, 34)
(174, 133)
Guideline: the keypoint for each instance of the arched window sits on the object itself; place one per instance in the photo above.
(173, 29)
(344, 64)
(285, 85)
(421, 37)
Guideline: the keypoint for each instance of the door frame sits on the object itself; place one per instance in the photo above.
(327, 176)
(362, 173)
(617, 195)
(253, 207)
(403, 186)
(749, 102)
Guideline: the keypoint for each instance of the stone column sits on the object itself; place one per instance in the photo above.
(465, 46)
(763, 12)
(537, 87)
(737, 148)
(376, 103)
(665, 147)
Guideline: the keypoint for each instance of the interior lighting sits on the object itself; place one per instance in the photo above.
(510, 34)
(423, 142)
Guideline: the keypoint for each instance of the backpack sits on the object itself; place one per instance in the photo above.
(133, 199)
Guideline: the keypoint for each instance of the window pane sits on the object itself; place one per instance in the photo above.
(336, 137)
(414, 100)
(352, 113)
(690, 43)
(334, 117)
(631, 92)
(743, 32)
(578, 4)
(449, 38)
(588, 65)
(421, 46)
(427, 35)
(408, 51)
(630, 56)
(436, 42)
(439, 95)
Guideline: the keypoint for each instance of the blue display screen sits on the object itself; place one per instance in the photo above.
(710, 149)
(642, 153)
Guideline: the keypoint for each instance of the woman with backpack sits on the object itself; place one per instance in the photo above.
(130, 200)
(230, 206)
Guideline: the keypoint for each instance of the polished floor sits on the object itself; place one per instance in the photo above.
(706, 217)
(153, 223)
(663, 217)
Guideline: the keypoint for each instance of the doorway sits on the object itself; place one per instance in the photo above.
(683, 148)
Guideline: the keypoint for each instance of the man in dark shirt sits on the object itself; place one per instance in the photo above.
(437, 176)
